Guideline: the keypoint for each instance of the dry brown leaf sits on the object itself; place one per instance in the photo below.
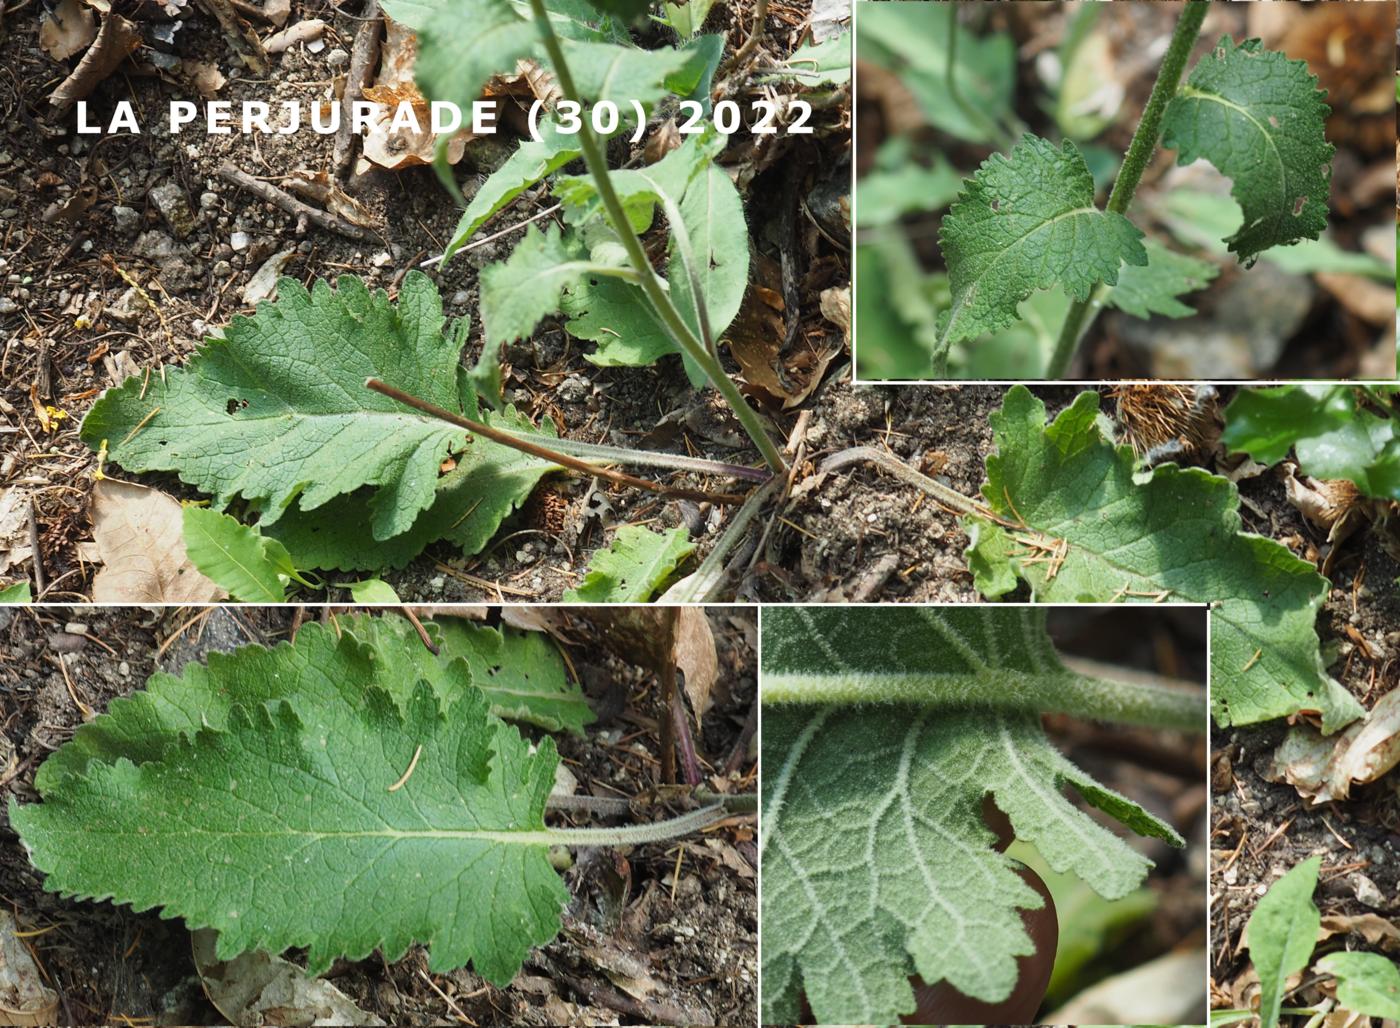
(115, 39)
(14, 527)
(140, 538)
(256, 989)
(205, 76)
(836, 308)
(320, 188)
(403, 147)
(68, 29)
(658, 638)
(1368, 300)
(1372, 927)
(24, 998)
(1324, 769)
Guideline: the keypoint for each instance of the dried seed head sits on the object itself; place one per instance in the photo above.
(1162, 419)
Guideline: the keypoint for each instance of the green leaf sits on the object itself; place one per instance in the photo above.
(877, 864)
(277, 411)
(633, 567)
(345, 863)
(1094, 529)
(1260, 119)
(489, 482)
(911, 39)
(373, 590)
(1367, 983)
(531, 162)
(521, 673)
(1023, 223)
(247, 566)
(1281, 934)
(816, 64)
(898, 318)
(615, 315)
(688, 16)
(517, 293)
(1153, 288)
(1334, 435)
(888, 193)
(462, 43)
(621, 74)
(17, 593)
(628, 10)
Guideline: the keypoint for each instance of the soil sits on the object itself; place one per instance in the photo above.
(687, 915)
(79, 227)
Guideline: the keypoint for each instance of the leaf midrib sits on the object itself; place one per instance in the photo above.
(1189, 92)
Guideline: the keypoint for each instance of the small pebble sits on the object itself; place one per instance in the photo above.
(124, 669)
(207, 200)
(239, 240)
(75, 628)
(337, 57)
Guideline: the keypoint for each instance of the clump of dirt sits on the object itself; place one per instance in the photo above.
(679, 919)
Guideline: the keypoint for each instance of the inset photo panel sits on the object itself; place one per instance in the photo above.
(412, 816)
(983, 814)
(1086, 191)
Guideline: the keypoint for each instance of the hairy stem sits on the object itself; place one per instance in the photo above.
(597, 162)
(636, 835)
(1082, 314)
(548, 453)
(1061, 692)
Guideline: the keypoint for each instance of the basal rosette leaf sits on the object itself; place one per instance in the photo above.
(277, 411)
(488, 484)
(343, 860)
(1023, 223)
(1367, 983)
(1281, 934)
(633, 567)
(321, 666)
(237, 557)
(1260, 119)
(1090, 528)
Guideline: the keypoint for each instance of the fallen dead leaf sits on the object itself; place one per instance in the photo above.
(24, 998)
(320, 188)
(402, 147)
(258, 989)
(836, 308)
(263, 282)
(205, 76)
(1324, 769)
(69, 28)
(1372, 927)
(14, 527)
(661, 637)
(115, 40)
(140, 538)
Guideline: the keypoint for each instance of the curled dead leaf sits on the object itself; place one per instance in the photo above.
(24, 998)
(1375, 929)
(116, 38)
(140, 539)
(256, 989)
(320, 188)
(67, 29)
(1324, 769)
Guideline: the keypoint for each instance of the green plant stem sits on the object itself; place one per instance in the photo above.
(1060, 692)
(1149, 130)
(999, 133)
(597, 162)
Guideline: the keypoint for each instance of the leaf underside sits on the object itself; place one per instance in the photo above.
(877, 863)
(1024, 223)
(1096, 530)
(1154, 288)
(1260, 119)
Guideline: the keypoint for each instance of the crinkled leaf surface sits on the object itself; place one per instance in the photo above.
(489, 482)
(1155, 287)
(1024, 223)
(521, 673)
(633, 567)
(1367, 983)
(277, 410)
(1281, 934)
(457, 857)
(323, 665)
(530, 284)
(1334, 435)
(1096, 530)
(877, 863)
(1260, 119)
